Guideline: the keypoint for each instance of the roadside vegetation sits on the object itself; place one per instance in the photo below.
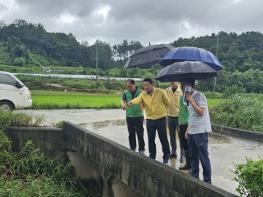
(244, 111)
(29, 172)
(47, 83)
(249, 177)
(85, 85)
(8, 119)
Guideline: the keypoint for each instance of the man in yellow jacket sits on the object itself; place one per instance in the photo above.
(155, 102)
(174, 93)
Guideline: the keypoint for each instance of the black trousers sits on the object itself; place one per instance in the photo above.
(158, 125)
(173, 127)
(184, 143)
(135, 127)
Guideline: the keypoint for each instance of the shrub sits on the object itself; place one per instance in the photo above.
(19, 61)
(5, 143)
(250, 178)
(60, 124)
(148, 75)
(239, 112)
(232, 90)
(5, 120)
(114, 85)
(30, 173)
(214, 95)
(8, 119)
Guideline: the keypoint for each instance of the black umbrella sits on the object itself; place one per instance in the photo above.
(148, 56)
(186, 70)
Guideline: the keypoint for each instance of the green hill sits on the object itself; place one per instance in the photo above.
(25, 43)
(30, 46)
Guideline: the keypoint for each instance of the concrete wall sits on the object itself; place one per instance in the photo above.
(119, 171)
(49, 140)
(147, 177)
(240, 133)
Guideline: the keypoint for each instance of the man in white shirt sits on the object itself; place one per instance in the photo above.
(199, 126)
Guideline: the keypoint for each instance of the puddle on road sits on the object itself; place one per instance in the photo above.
(215, 138)
(110, 125)
(104, 124)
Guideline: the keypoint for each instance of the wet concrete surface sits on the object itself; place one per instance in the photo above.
(76, 116)
(224, 151)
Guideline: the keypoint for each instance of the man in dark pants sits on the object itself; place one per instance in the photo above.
(174, 93)
(134, 116)
(155, 103)
(183, 125)
(199, 126)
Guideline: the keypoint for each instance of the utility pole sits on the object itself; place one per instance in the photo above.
(217, 48)
(97, 63)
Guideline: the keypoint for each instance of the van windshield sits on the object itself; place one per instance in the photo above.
(9, 79)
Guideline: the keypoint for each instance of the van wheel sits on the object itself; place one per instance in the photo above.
(6, 106)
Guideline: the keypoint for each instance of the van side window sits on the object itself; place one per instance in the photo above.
(7, 79)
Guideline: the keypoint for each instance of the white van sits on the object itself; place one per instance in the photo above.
(13, 93)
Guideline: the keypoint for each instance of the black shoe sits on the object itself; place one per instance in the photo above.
(165, 161)
(185, 167)
(152, 157)
(173, 155)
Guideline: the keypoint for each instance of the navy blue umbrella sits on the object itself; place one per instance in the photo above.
(181, 54)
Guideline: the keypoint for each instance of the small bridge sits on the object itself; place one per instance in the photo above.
(118, 171)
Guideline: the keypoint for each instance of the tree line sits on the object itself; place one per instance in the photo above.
(28, 43)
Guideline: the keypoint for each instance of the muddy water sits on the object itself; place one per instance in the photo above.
(224, 151)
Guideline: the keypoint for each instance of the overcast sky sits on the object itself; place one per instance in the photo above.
(155, 21)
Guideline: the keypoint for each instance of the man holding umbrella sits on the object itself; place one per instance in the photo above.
(155, 103)
(199, 121)
(199, 126)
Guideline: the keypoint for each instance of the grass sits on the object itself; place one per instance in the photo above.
(73, 100)
(43, 99)
(212, 102)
